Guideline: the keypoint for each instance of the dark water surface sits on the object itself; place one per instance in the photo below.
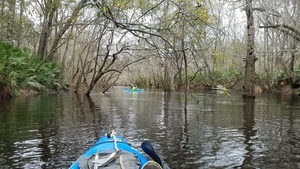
(215, 131)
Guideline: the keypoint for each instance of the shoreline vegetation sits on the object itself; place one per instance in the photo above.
(284, 90)
(23, 73)
(90, 46)
(288, 90)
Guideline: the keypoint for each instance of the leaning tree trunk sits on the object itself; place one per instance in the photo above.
(249, 82)
(65, 27)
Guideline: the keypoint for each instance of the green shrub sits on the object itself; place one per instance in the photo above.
(141, 82)
(18, 71)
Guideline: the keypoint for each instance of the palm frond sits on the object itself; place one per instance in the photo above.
(35, 86)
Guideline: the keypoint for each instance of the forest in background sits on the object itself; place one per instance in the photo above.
(169, 44)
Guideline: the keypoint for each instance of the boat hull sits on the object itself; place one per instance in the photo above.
(110, 144)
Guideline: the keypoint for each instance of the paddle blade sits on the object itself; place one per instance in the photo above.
(149, 149)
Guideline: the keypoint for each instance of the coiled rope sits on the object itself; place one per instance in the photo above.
(113, 133)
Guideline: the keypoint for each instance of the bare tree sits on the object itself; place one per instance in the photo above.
(249, 82)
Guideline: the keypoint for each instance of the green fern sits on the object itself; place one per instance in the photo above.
(17, 71)
(36, 86)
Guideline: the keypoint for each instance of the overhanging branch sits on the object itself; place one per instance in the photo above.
(286, 29)
(134, 28)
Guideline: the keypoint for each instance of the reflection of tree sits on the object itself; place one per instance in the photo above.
(185, 117)
(176, 122)
(80, 112)
(167, 120)
(30, 126)
(293, 138)
(6, 130)
(248, 109)
(48, 127)
(96, 119)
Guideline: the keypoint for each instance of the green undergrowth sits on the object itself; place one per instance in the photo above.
(20, 69)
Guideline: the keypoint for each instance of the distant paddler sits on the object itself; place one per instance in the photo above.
(133, 87)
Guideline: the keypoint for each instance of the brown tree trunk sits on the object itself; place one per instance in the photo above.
(2, 12)
(168, 76)
(11, 20)
(20, 31)
(292, 63)
(64, 28)
(63, 63)
(249, 82)
(83, 67)
(50, 8)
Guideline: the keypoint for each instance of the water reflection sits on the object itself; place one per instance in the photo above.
(292, 131)
(249, 132)
(194, 130)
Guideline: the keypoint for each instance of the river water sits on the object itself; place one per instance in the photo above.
(213, 131)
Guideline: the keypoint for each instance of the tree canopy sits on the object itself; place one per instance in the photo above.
(169, 44)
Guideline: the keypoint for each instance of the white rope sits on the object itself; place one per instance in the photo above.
(113, 133)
